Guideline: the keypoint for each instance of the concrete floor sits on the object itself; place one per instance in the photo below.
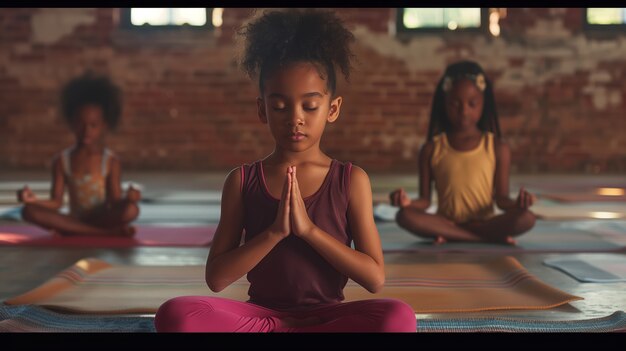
(23, 268)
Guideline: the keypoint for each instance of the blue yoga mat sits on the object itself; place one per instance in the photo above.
(591, 268)
(28, 318)
(614, 322)
(11, 214)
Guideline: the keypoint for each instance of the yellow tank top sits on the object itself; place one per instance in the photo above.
(464, 179)
(87, 192)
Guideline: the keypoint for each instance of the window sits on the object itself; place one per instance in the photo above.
(171, 17)
(440, 19)
(605, 17)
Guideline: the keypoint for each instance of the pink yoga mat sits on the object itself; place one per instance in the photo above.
(28, 235)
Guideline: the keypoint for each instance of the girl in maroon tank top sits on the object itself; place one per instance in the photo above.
(297, 210)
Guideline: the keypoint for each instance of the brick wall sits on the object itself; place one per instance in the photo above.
(559, 88)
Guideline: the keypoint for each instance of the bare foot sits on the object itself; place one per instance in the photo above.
(440, 240)
(511, 241)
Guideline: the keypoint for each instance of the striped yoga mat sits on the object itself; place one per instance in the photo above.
(95, 286)
(30, 318)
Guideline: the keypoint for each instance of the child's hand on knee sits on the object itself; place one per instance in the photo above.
(399, 198)
(26, 195)
(133, 194)
(524, 199)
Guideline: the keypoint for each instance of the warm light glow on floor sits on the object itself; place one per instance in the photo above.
(12, 238)
(605, 215)
(610, 191)
(83, 264)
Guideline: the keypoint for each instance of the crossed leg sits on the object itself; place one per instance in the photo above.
(112, 222)
(216, 314)
(501, 228)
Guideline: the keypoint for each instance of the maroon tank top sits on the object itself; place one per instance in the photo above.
(293, 275)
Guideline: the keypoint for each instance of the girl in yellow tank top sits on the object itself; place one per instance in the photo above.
(89, 170)
(469, 165)
(464, 179)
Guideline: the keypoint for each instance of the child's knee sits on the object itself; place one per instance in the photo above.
(399, 317)
(526, 220)
(402, 217)
(30, 213)
(130, 212)
(172, 315)
(530, 219)
(167, 316)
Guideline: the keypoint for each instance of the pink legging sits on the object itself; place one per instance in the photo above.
(215, 314)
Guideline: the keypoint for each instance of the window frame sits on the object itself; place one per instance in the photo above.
(484, 25)
(601, 27)
(125, 23)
